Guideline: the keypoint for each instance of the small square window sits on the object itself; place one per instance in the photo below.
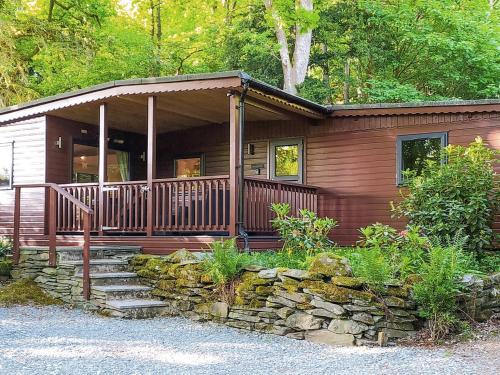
(286, 160)
(413, 152)
(6, 150)
(188, 167)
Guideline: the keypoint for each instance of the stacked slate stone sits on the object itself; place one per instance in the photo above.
(480, 299)
(59, 282)
(324, 304)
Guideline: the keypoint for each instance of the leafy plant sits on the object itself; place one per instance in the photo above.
(5, 246)
(307, 232)
(437, 290)
(372, 266)
(5, 267)
(225, 262)
(273, 259)
(460, 195)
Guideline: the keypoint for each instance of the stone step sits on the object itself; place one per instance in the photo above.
(121, 292)
(67, 253)
(111, 278)
(98, 265)
(136, 308)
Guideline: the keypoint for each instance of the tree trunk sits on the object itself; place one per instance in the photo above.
(347, 78)
(295, 69)
(51, 10)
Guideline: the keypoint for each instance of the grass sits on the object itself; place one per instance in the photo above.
(25, 292)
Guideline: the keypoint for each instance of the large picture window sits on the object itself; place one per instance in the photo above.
(86, 164)
(286, 160)
(413, 152)
(6, 150)
(189, 167)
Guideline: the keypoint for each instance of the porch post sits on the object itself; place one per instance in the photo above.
(234, 162)
(151, 162)
(103, 160)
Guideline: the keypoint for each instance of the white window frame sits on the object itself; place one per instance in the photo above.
(443, 136)
(11, 162)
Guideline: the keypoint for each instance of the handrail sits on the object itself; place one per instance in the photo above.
(185, 179)
(281, 182)
(52, 217)
(82, 206)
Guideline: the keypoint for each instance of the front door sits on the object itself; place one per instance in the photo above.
(287, 160)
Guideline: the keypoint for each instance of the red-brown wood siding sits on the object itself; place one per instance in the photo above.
(59, 162)
(353, 160)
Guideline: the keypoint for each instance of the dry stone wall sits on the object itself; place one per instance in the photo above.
(59, 282)
(324, 305)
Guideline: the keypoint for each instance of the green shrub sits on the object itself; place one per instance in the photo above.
(437, 290)
(460, 195)
(225, 263)
(307, 232)
(489, 262)
(5, 267)
(403, 250)
(286, 259)
(5, 246)
(372, 266)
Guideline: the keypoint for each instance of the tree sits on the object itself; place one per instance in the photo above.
(293, 20)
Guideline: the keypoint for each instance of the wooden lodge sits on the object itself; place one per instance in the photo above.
(176, 162)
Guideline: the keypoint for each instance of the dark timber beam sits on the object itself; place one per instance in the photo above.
(234, 164)
(103, 160)
(151, 161)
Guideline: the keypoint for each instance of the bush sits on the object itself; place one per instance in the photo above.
(5, 246)
(372, 266)
(306, 233)
(225, 263)
(461, 195)
(437, 290)
(5, 267)
(403, 250)
(286, 259)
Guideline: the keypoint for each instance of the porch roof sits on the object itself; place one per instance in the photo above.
(187, 101)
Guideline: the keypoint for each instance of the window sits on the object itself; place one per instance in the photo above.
(188, 167)
(86, 164)
(414, 150)
(286, 160)
(6, 150)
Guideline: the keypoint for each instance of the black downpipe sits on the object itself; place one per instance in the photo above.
(241, 203)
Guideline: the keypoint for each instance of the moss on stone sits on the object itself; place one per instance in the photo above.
(350, 282)
(291, 285)
(179, 256)
(140, 260)
(394, 301)
(25, 292)
(168, 285)
(262, 290)
(334, 293)
(329, 265)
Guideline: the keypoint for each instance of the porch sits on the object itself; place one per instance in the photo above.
(167, 163)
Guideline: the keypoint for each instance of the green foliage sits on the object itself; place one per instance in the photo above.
(372, 266)
(306, 233)
(275, 259)
(458, 196)
(488, 262)
(397, 50)
(225, 263)
(5, 246)
(5, 267)
(437, 291)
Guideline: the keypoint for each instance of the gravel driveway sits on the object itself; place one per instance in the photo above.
(59, 341)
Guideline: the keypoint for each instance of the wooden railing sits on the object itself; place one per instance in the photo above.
(199, 204)
(260, 194)
(80, 215)
(192, 204)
